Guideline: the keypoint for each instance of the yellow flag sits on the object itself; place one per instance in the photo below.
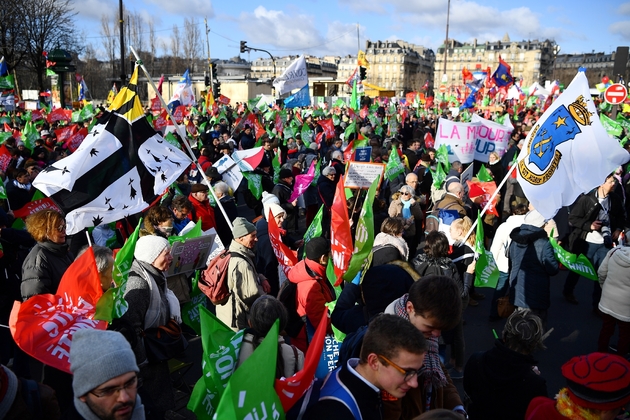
(362, 61)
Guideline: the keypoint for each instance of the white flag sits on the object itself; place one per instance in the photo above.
(294, 77)
(567, 152)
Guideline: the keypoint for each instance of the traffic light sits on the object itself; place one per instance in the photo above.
(362, 73)
(207, 80)
(213, 66)
(243, 46)
(216, 89)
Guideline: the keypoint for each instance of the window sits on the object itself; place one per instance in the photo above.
(490, 56)
(522, 56)
(402, 68)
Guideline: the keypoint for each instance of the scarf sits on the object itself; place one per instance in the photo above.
(431, 373)
(569, 409)
(406, 210)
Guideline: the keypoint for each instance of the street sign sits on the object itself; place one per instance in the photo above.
(442, 88)
(616, 94)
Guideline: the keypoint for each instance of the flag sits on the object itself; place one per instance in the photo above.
(315, 228)
(43, 325)
(290, 390)
(112, 94)
(302, 182)
(362, 60)
(121, 167)
(329, 128)
(612, 127)
(209, 100)
(567, 152)
(441, 155)
(113, 304)
(30, 135)
(502, 76)
(254, 184)
(486, 189)
(38, 202)
(340, 236)
(286, 257)
(486, 270)
(250, 389)
(249, 159)
(7, 82)
(159, 86)
(190, 310)
(294, 77)
(394, 165)
(4, 69)
(578, 264)
(221, 348)
(483, 175)
(183, 93)
(466, 75)
(5, 157)
(354, 99)
(364, 236)
(300, 98)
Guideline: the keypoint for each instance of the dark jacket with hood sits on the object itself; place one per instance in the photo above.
(532, 262)
(501, 383)
(43, 268)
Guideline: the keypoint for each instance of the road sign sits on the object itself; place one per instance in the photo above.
(442, 88)
(616, 94)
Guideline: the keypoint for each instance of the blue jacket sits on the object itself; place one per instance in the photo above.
(531, 263)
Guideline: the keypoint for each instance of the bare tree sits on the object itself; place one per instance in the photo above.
(110, 39)
(136, 29)
(192, 41)
(152, 44)
(12, 39)
(175, 46)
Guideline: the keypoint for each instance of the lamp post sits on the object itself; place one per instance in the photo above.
(121, 21)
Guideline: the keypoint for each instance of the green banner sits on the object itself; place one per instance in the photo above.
(394, 165)
(254, 183)
(613, 128)
(486, 270)
(190, 311)
(579, 264)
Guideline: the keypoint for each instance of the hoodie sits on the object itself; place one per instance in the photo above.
(614, 277)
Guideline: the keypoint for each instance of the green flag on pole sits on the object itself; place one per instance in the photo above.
(221, 348)
(29, 135)
(613, 128)
(394, 165)
(275, 163)
(306, 135)
(254, 183)
(483, 175)
(577, 263)
(315, 228)
(354, 98)
(441, 155)
(439, 176)
(250, 392)
(190, 310)
(486, 270)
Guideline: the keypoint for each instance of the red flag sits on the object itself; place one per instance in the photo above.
(59, 115)
(156, 104)
(340, 238)
(64, 133)
(35, 206)
(76, 139)
(43, 325)
(290, 390)
(286, 257)
(180, 113)
(37, 114)
(223, 100)
(191, 128)
(466, 75)
(364, 112)
(159, 86)
(160, 121)
(329, 128)
(278, 124)
(488, 189)
(5, 157)
(259, 130)
(348, 153)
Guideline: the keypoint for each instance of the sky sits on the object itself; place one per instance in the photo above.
(329, 27)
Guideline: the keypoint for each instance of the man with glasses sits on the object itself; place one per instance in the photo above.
(391, 359)
(105, 376)
(181, 207)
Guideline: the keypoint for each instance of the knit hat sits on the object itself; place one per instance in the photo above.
(149, 247)
(242, 227)
(267, 199)
(199, 188)
(534, 218)
(8, 391)
(275, 210)
(317, 247)
(329, 170)
(97, 356)
(285, 173)
(598, 380)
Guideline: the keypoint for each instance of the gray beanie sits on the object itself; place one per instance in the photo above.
(97, 356)
(242, 227)
(148, 248)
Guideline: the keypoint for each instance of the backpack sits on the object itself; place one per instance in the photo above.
(432, 221)
(288, 297)
(213, 281)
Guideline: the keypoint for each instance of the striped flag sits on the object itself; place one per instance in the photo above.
(119, 169)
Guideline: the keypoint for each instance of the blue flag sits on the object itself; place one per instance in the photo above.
(4, 69)
(301, 98)
(502, 75)
(470, 101)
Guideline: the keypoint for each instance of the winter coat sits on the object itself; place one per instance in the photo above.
(585, 212)
(292, 357)
(243, 285)
(532, 263)
(15, 244)
(266, 260)
(43, 268)
(204, 163)
(614, 277)
(313, 292)
(452, 202)
(388, 248)
(500, 383)
(501, 242)
(223, 227)
(204, 211)
(326, 190)
(442, 266)
(396, 210)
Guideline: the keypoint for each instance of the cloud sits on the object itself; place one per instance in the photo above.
(94, 9)
(624, 9)
(197, 8)
(621, 28)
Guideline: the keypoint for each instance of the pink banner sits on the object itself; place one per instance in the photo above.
(302, 182)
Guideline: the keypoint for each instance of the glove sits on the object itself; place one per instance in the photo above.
(173, 306)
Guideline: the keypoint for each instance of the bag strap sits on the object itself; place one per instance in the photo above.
(295, 357)
(334, 389)
(463, 257)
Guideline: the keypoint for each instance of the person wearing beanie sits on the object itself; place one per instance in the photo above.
(313, 288)
(147, 295)
(283, 190)
(201, 206)
(532, 264)
(244, 282)
(267, 199)
(266, 182)
(105, 378)
(598, 387)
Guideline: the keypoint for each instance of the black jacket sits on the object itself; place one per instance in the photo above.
(43, 268)
(223, 227)
(326, 190)
(500, 383)
(586, 210)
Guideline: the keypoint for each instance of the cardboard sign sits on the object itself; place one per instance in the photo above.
(360, 175)
(190, 255)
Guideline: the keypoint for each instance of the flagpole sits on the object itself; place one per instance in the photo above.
(182, 135)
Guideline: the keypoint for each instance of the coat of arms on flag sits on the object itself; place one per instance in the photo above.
(119, 169)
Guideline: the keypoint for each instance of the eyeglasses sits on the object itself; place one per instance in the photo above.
(130, 385)
(409, 373)
(406, 193)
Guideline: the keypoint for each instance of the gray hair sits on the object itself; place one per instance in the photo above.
(523, 332)
(337, 155)
(455, 188)
(221, 187)
(103, 256)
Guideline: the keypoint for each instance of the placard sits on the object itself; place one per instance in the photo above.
(360, 175)
(190, 255)
(363, 154)
(467, 175)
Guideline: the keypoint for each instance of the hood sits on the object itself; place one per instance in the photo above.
(299, 274)
(424, 258)
(324, 180)
(504, 366)
(621, 256)
(398, 243)
(527, 234)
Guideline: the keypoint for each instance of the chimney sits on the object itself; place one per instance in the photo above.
(475, 43)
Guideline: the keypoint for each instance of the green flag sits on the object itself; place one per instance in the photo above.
(483, 175)
(439, 176)
(351, 128)
(170, 137)
(250, 392)
(87, 113)
(339, 103)
(3, 192)
(317, 173)
(190, 311)
(29, 135)
(486, 270)
(364, 237)
(577, 263)
(624, 122)
(394, 165)
(354, 98)
(605, 106)
(221, 348)
(306, 135)
(275, 163)
(6, 82)
(193, 233)
(613, 128)
(315, 229)
(4, 135)
(441, 155)
(112, 304)
(254, 183)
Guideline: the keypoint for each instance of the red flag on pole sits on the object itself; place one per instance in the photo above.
(340, 236)
(286, 257)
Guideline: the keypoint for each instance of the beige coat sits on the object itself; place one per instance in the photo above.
(244, 287)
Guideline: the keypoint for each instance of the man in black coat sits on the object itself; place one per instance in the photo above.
(283, 190)
(326, 185)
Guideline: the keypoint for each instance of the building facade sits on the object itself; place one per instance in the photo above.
(597, 66)
(263, 68)
(531, 61)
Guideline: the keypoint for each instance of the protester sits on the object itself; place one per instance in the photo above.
(283, 190)
(16, 404)
(105, 379)
(405, 205)
(221, 189)
(453, 200)
(391, 362)
(201, 208)
(389, 244)
(158, 221)
(180, 208)
(244, 283)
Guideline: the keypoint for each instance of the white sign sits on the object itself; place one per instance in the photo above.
(230, 171)
(360, 175)
(491, 137)
(459, 138)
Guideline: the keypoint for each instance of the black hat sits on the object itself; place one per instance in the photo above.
(285, 173)
(199, 188)
(265, 162)
(317, 247)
